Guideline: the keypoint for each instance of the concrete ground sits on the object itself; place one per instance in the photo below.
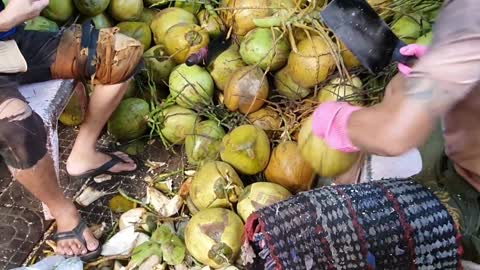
(23, 230)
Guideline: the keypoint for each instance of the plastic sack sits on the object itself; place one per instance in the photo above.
(55, 263)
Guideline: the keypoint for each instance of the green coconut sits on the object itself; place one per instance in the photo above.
(259, 195)
(204, 144)
(190, 6)
(265, 47)
(59, 10)
(177, 123)
(158, 64)
(247, 149)
(137, 30)
(426, 39)
(287, 87)
(211, 22)
(191, 85)
(222, 68)
(76, 109)
(167, 18)
(214, 237)
(91, 8)
(409, 27)
(156, 3)
(129, 120)
(215, 184)
(102, 21)
(147, 15)
(126, 10)
(41, 24)
(131, 90)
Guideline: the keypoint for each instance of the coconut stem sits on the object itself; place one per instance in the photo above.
(124, 194)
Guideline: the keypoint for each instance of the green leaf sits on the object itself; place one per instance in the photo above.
(174, 251)
(162, 234)
(143, 252)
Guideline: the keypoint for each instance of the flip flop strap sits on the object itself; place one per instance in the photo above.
(109, 164)
(76, 233)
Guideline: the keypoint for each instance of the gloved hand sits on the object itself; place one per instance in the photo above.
(410, 50)
(330, 121)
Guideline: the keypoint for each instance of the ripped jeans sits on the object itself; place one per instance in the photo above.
(79, 52)
(23, 136)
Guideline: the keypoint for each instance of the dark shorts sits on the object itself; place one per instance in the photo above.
(23, 142)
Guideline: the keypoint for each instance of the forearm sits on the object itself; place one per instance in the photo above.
(7, 21)
(394, 126)
(390, 131)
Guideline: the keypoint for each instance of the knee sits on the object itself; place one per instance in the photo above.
(118, 57)
(22, 134)
(104, 55)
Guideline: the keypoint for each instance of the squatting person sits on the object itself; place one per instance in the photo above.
(78, 52)
(428, 222)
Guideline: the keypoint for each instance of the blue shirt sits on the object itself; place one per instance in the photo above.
(9, 33)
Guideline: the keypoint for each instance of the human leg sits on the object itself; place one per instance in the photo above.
(84, 156)
(110, 60)
(23, 141)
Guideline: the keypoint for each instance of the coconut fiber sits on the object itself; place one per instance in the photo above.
(388, 224)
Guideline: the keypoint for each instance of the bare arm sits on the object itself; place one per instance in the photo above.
(444, 76)
(19, 11)
(392, 127)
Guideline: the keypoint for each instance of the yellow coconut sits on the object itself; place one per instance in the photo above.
(259, 195)
(167, 18)
(340, 89)
(247, 149)
(239, 14)
(312, 63)
(76, 109)
(215, 184)
(348, 58)
(184, 39)
(326, 161)
(287, 87)
(382, 7)
(246, 90)
(266, 119)
(288, 168)
(211, 22)
(214, 237)
(225, 65)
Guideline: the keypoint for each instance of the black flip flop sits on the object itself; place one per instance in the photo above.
(104, 169)
(77, 233)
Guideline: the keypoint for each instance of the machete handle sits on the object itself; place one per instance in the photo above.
(408, 60)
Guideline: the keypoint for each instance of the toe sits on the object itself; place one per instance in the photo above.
(124, 157)
(75, 247)
(92, 242)
(67, 251)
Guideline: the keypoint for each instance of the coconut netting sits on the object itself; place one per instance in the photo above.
(240, 120)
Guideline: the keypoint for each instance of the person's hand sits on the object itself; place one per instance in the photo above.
(330, 121)
(22, 10)
(411, 50)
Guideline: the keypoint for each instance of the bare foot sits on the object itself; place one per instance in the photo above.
(67, 220)
(79, 164)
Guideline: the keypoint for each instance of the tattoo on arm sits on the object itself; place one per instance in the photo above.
(421, 89)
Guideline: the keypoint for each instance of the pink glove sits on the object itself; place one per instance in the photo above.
(409, 50)
(330, 123)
